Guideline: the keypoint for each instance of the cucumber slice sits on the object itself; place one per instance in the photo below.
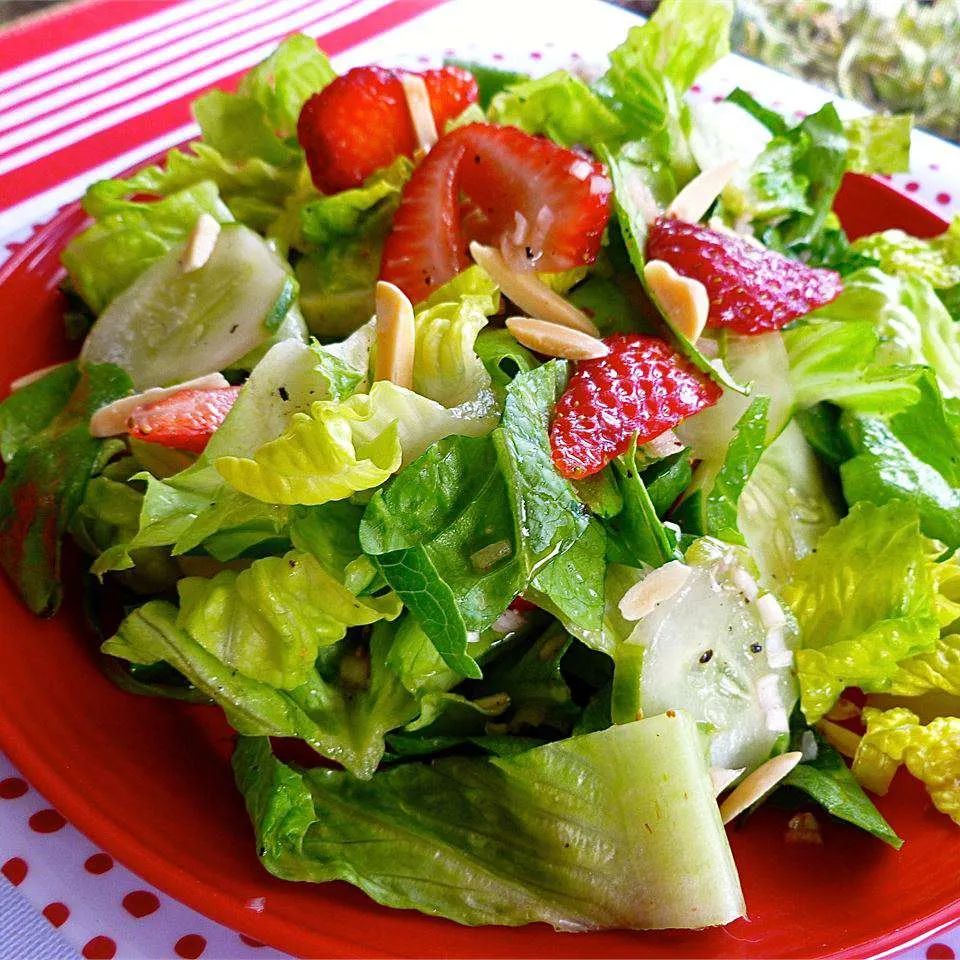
(169, 326)
(706, 651)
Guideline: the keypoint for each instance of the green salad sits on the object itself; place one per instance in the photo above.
(540, 454)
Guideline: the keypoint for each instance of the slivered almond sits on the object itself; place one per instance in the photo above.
(694, 200)
(722, 777)
(200, 243)
(418, 101)
(684, 301)
(111, 420)
(530, 293)
(843, 709)
(396, 336)
(758, 784)
(658, 585)
(771, 613)
(665, 445)
(553, 340)
(34, 375)
(840, 738)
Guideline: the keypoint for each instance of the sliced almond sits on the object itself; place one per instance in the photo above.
(843, 709)
(553, 340)
(722, 777)
(396, 336)
(758, 784)
(111, 420)
(684, 301)
(200, 243)
(34, 376)
(658, 585)
(418, 101)
(840, 738)
(665, 445)
(530, 293)
(745, 584)
(694, 200)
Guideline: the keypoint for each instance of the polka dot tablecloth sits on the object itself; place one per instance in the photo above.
(94, 907)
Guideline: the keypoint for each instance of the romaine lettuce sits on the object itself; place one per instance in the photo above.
(533, 837)
(856, 629)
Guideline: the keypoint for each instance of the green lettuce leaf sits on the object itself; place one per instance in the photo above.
(878, 143)
(661, 59)
(28, 410)
(461, 531)
(912, 455)
(931, 752)
(543, 843)
(856, 629)
(340, 447)
(269, 621)
(341, 712)
(45, 481)
(130, 235)
(829, 781)
(343, 237)
(446, 367)
(559, 105)
(936, 260)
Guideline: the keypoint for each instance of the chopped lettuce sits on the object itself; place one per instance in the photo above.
(931, 752)
(28, 410)
(829, 781)
(340, 447)
(130, 235)
(856, 629)
(45, 481)
(513, 840)
(269, 621)
(446, 367)
(342, 719)
(461, 531)
(878, 143)
(559, 105)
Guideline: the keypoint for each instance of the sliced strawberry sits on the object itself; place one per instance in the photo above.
(751, 289)
(545, 207)
(643, 387)
(185, 420)
(361, 122)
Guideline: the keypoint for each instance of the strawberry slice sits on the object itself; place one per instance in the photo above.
(751, 289)
(545, 207)
(643, 387)
(185, 420)
(361, 122)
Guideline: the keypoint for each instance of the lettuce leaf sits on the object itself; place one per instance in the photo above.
(45, 481)
(661, 59)
(129, 235)
(829, 781)
(878, 143)
(269, 621)
(544, 845)
(460, 531)
(856, 629)
(931, 752)
(936, 260)
(340, 447)
(559, 105)
(446, 367)
(28, 410)
(343, 237)
(345, 722)
(912, 455)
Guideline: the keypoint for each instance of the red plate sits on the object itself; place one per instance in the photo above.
(150, 781)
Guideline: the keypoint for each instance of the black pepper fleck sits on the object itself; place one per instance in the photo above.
(283, 393)
(756, 648)
(706, 656)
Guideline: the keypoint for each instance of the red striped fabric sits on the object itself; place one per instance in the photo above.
(128, 117)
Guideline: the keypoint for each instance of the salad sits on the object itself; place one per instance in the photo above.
(538, 456)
